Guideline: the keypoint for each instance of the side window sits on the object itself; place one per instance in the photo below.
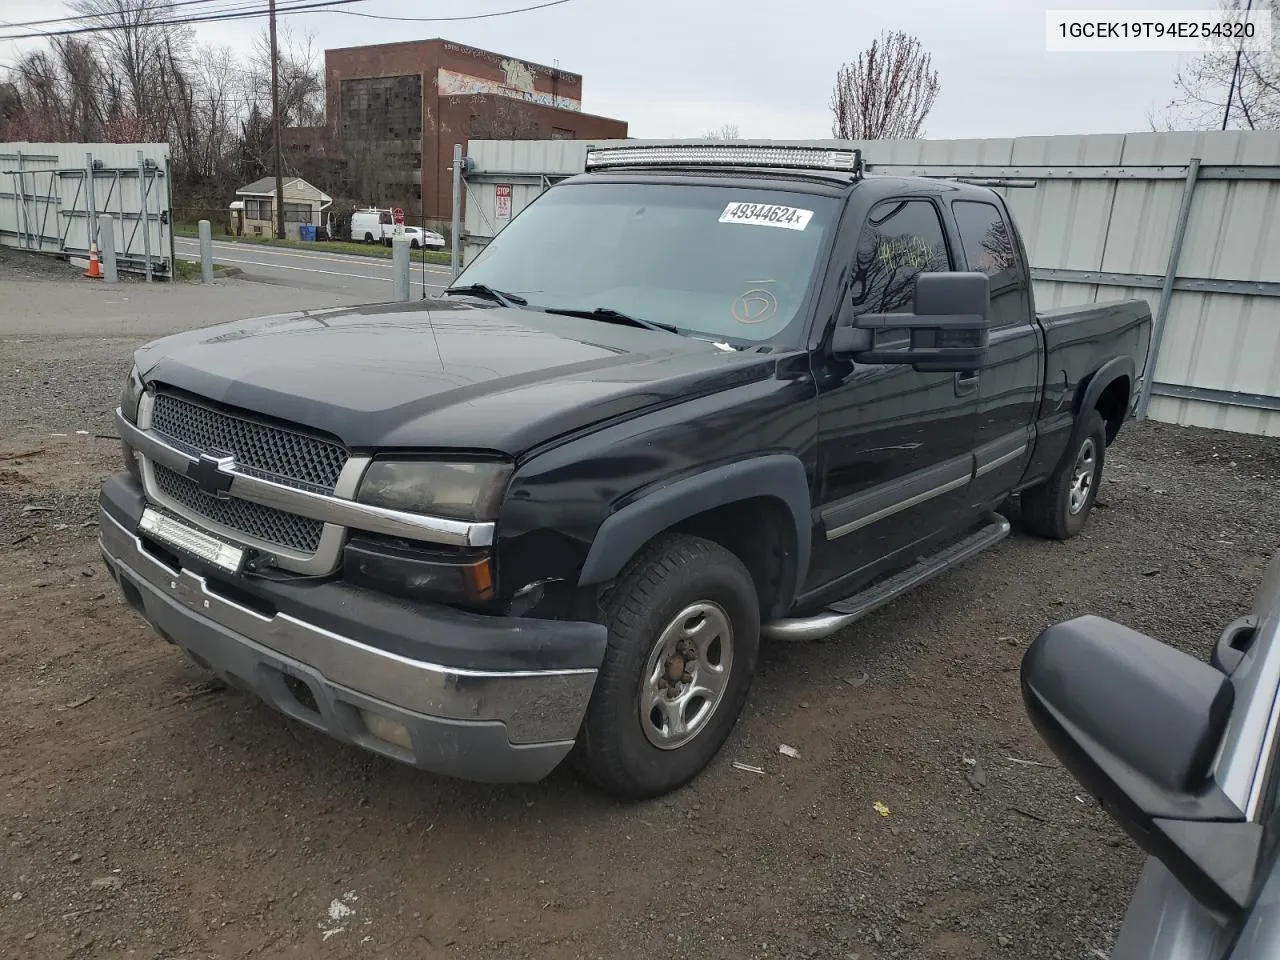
(987, 240)
(989, 248)
(900, 240)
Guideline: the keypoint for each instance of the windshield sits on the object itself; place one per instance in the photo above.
(729, 262)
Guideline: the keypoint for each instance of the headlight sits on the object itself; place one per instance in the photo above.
(457, 491)
(131, 395)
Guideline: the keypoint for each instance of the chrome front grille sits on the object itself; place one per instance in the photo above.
(261, 522)
(263, 449)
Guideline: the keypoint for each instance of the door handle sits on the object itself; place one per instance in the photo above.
(966, 382)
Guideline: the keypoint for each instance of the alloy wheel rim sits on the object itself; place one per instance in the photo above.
(1083, 476)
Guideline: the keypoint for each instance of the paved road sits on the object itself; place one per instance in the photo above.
(368, 278)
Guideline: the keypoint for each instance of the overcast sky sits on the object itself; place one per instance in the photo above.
(675, 68)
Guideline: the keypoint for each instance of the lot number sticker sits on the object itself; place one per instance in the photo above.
(766, 215)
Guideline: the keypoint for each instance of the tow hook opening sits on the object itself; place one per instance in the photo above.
(301, 693)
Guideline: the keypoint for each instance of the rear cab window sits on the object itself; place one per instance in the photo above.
(990, 247)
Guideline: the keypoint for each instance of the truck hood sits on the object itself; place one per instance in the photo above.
(447, 375)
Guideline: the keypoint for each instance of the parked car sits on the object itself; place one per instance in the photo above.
(746, 392)
(418, 237)
(378, 226)
(1182, 755)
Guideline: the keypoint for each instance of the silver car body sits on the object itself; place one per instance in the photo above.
(1163, 921)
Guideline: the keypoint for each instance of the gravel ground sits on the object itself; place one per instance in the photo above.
(146, 813)
(19, 265)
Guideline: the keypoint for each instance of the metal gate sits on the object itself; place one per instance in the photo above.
(50, 203)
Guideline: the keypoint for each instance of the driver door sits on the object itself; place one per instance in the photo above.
(895, 446)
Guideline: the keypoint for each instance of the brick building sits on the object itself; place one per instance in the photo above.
(397, 109)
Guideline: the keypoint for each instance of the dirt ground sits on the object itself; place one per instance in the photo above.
(146, 814)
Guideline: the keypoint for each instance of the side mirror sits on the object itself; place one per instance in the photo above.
(949, 328)
(1139, 725)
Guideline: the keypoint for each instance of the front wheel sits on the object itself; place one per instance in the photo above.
(684, 629)
(1059, 507)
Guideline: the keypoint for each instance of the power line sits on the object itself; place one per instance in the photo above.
(241, 12)
(237, 11)
(473, 16)
(316, 5)
(158, 8)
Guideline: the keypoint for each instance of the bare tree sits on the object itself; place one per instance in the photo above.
(138, 45)
(887, 93)
(1248, 80)
(726, 131)
(65, 94)
(203, 113)
(146, 80)
(300, 78)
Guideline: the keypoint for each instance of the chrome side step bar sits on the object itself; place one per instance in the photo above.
(839, 615)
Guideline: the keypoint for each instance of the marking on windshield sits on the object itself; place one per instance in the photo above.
(766, 215)
(755, 306)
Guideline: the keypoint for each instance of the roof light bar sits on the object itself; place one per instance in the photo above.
(743, 155)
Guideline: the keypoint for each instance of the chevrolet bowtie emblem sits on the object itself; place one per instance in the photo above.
(211, 473)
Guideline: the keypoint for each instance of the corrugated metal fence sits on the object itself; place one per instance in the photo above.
(1190, 221)
(52, 194)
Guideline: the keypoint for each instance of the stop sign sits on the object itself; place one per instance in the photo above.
(397, 215)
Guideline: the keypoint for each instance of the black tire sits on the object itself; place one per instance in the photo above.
(674, 573)
(413, 244)
(368, 238)
(1055, 509)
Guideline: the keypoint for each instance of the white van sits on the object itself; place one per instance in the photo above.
(371, 225)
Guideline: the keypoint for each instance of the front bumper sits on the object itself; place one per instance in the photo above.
(490, 725)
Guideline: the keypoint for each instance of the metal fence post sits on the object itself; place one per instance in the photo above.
(20, 202)
(456, 224)
(1166, 290)
(206, 252)
(143, 211)
(400, 266)
(91, 208)
(167, 207)
(107, 247)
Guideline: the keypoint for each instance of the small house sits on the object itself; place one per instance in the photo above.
(253, 213)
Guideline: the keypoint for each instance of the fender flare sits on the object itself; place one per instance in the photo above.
(778, 476)
(1107, 374)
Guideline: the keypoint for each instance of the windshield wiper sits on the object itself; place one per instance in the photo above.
(611, 316)
(488, 293)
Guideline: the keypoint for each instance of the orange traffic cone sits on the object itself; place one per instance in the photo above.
(95, 268)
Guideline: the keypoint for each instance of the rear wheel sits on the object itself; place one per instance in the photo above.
(1059, 507)
(368, 238)
(684, 629)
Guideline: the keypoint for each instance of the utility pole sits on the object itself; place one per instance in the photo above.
(1235, 73)
(275, 120)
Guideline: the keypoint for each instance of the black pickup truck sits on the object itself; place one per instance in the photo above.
(692, 398)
